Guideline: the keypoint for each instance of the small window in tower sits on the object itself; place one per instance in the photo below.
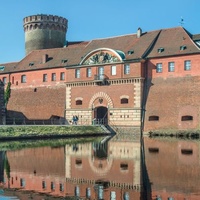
(154, 118)
(124, 101)
(187, 118)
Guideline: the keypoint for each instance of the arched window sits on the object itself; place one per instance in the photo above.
(187, 118)
(79, 102)
(124, 101)
(153, 118)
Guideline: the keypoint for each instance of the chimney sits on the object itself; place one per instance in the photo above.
(139, 32)
(44, 58)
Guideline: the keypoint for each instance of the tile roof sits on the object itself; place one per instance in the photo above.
(171, 40)
(8, 67)
(146, 45)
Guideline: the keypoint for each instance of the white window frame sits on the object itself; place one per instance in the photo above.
(23, 79)
(53, 76)
(187, 65)
(159, 68)
(77, 73)
(62, 76)
(171, 66)
(89, 72)
(113, 70)
(127, 69)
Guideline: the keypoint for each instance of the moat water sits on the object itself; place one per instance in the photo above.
(123, 167)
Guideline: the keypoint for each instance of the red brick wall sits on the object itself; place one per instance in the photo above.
(35, 99)
(136, 70)
(114, 92)
(171, 95)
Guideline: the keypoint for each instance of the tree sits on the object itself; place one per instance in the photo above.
(7, 93)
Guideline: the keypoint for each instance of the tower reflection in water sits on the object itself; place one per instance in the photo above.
(108, 169)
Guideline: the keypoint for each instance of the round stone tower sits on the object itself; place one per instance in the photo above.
(44, 32)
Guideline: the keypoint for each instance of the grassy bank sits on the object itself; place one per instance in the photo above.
(24, 131)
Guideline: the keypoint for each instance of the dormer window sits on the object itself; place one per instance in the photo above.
(31, 64)
(2, 68)
(130, 52)
(160, 50)
(64, 61)
(183, 47)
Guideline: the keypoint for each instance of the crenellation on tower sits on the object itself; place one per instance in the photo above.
(44, 32)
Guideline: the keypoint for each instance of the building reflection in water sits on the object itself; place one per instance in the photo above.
(173, 168)
(109, 169)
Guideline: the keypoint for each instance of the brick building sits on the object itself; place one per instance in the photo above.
(146, 80)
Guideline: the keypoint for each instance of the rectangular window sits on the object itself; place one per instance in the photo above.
(77, 73)
(187, 65)
(53, 76)
(159, 67)
(22, 182)
(62, 76)
(44, 185)
(89, 72)
(23, 79)
(4, 80)
(52, 186)
(44, 77)
(171, 66)
(61, 187)
(126, 69)
(113, 70)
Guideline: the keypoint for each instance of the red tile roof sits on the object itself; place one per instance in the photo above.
(171, 41)
(146, 45)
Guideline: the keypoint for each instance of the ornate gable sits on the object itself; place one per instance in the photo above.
(102, 56)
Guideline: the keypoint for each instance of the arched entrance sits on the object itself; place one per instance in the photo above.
(101, 115)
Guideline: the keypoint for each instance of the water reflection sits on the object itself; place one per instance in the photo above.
(108, 168)
(173, 168)
(119, 168)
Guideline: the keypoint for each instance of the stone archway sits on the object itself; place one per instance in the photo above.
(100, 104)
(100, 95)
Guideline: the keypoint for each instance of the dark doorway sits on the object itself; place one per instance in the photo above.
(102, 115)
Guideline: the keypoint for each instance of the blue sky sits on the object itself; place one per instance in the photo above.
(90, 19)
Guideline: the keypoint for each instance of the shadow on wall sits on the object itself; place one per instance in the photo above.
(149, 67)
(18, 118)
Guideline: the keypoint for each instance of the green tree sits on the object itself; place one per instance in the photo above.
(7, 93)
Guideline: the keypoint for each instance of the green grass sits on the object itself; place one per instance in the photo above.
(20, 131)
